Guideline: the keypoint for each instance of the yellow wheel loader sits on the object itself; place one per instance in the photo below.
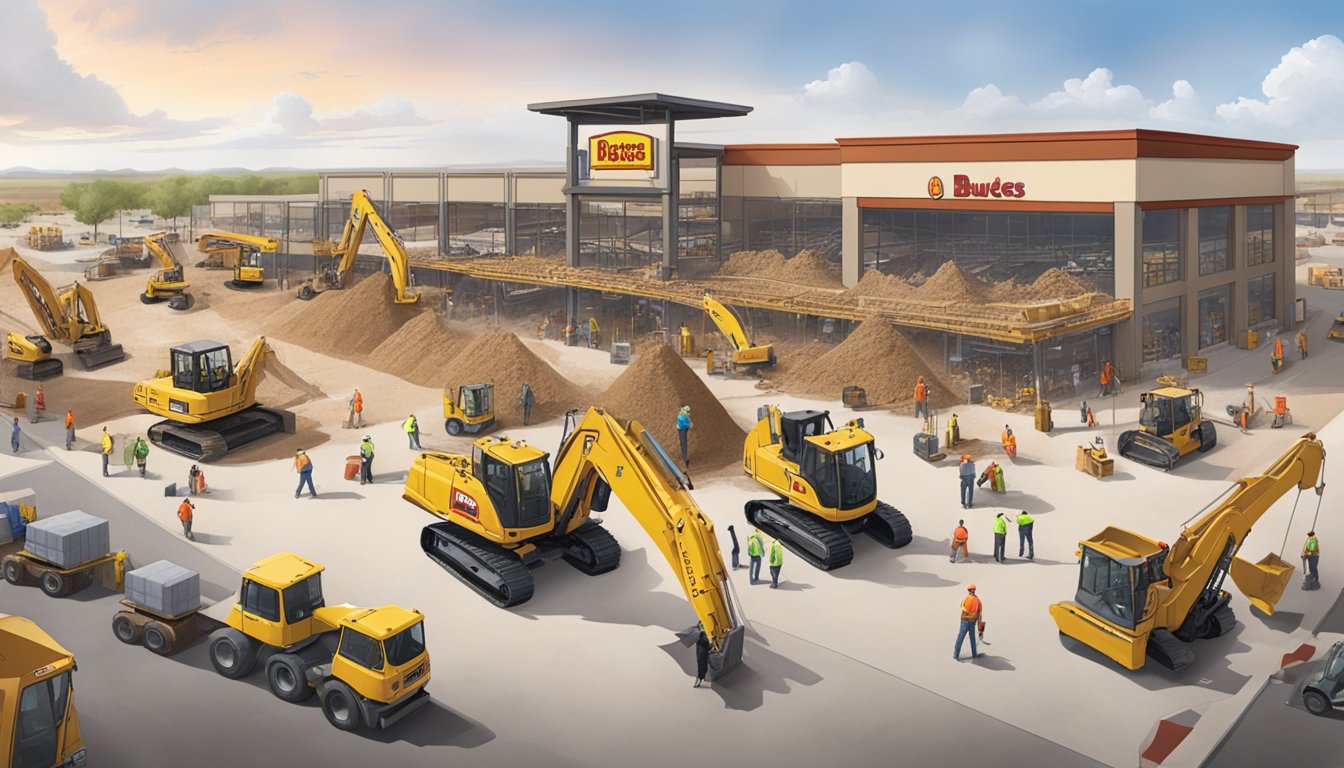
(826, 480)
(209, 404)
(1139, 598)
(68, 315)
(170, 282)
(39, 726)
(1171, 425)
(471, 408)
(32, 354)
(367, 666)
(1336, 332)
(507, 509)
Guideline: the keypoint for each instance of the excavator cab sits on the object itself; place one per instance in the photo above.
(519, 491)
(470, 409)
(202, 366)
(32, 354)
(1171, 425)
(1337, 330)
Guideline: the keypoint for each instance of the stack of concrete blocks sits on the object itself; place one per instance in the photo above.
(69, 540)
(164, 588)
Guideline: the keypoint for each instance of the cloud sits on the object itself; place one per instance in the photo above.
(1097, 94)
(1184, 106)
(290, 114)
(1305, 91)
(847, 80)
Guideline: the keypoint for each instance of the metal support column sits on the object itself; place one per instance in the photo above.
(671, 199)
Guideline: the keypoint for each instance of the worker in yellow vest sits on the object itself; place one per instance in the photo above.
(1025, 523)
(755, 548)
(776, 562)
(107, 450)
(1000, 537)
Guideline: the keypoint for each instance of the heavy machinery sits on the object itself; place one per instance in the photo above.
(169, 282)
(471, 408)
(238, 252)
(368, 666)
(363, 214)
(1336, 332)
(826, 480)
(1139, 598)
(1324, 690)
(68, 315)
(39, 727)
(1171, 425)
(507, 509)
(745, 354)
(32, 354)
(209, 404)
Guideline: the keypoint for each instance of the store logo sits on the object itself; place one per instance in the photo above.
(620, 151)
(465, 504)
(936, 188)
(962, 186)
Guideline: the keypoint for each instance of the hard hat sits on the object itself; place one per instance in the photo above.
(686, 408)
(970, 587)
(366, 437)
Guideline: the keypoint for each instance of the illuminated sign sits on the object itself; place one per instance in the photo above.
(620, 151)
(962, 186)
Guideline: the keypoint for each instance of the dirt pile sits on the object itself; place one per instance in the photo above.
(280, 387)
(949, 283)
(503, 359)
(420, 351)
(879, 285)
(652, 391)
(808, 268)
(1058, 284)
(347, 323)
(876, 357)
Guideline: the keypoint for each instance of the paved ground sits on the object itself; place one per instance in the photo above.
(1276, 729)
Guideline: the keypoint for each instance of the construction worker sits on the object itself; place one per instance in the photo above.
(736, 549)
(960, 536)
(412, 429)
(1000, 537)
(971, 609)
(702, 648)
(366, 460)
(1091, 417)
(14, 440)
(1009, 442)
(1106, 378)
(1025, 523)
(357, 410)
(141, 453)
(1311, 557)
(1301, 345)
(755, 548)
(39, 405)
(195, 480)
(594, 333)
(921, 399)
(106, 445)
(1076, 372)
(1082, 411)
(683, 434)
(967, 472)
(953, 432)
(687, 345)
(1276, 357)
(69, 428)
(304, 466)
(526, 398)
(776, 562)
(184, 513)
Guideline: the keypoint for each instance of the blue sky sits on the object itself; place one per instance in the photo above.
(325, 83)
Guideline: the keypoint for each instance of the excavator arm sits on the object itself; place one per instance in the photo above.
(596, 450)
(363, 213)
(215, 242)
(44, 302)
(726, 321)
(248, 369)
(156, 247)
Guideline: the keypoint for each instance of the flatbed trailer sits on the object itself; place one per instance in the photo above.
(160, 633)
(23, 568)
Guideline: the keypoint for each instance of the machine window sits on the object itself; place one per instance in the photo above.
(215, 365)
(858, 479)
(361, 649)
(819, 468)
(42, 708)
(182, 370)
(303, 598)
(534, 493)
(262, 602)
(1335, 669)
(405, 645)
(1106, 588)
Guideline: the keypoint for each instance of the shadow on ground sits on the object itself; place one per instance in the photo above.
(762, 670)
(629, 595)
(1211, 668)
(874, 562)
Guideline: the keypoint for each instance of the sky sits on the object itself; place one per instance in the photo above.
(199, 84)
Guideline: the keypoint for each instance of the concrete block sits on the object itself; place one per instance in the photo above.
(70, 539)
(164, 587)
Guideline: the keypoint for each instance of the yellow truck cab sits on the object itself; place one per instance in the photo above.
(471, 408)
(369, 666)
(39, 727)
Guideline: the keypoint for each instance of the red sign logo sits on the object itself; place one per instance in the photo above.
(962, 186)
(465, 504)
(936, 188)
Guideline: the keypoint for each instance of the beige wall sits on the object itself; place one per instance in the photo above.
(1102, 181)
(1188, 179)
(782, 180)
(528, 190)
(342, 187)
(415, 189)
(476, 189)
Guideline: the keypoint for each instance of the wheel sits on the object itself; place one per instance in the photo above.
(1316, 703)
(284, 673)
(232, 653)
(341, 706)
(180, 303)
(306, 292)
(158, 638)
(14, 572)
(145, 298)
(453, 426)
(53, 584)
(126, 630)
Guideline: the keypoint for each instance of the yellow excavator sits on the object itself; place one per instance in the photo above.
(507, 509)
(363, 214)
(1138, 598)
(238, 252)
(68, 315)
(39, 726)
(1171, 425)
(826, 480)
(170, 281)
(745, 354)
(209, 404)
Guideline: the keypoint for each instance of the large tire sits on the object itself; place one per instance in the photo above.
(284, 673)
(453, 426)
(54, 584)
(158, 638)
(232, 653)
(126, 630)
(145, 298)
(341, 706)
(306, 292)
(1316, 703)
(15, 573)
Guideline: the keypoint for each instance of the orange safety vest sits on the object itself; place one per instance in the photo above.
(921, 392)
(300, 462)
(970, 608)
(1278, 347)
(1302, 340)
(41, 401)
(184, 512)
(1106, 374)
(359, 403)
(1009, 440)
(961, 534)
(69, 419)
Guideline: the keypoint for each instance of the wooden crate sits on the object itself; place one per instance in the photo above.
(1197, 364)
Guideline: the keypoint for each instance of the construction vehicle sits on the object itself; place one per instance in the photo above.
(1325, 276)
(507, 509)
(32, 354)
(68, 315)
(363, 214)
(87, 239)
(470, 408)
(24, 569)
(1336, 332)
(745, 354)
(368, 666)
(170, 281)
(39, 727)
(1171, 425)
(826, 480)
(238, 252)
(1139, 598)
(1325, 690)
(209, 404)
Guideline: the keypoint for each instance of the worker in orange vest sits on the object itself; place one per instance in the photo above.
(1276, 357)
(1106, 378)
(39, 405)
(960, 536)
(921, 399)
(1009, 442)
(971, 609)
(69, 428)
(357, 410)
(184, 513)
(1301, 348)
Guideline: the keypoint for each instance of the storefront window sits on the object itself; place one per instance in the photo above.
(1215, 234)
(790, 226)
(616, 233)
(539, 229)
(1259, 234)
(1260, 299)
(1215, 315)
(1162, 331)
(1161, 247)
(475, 228)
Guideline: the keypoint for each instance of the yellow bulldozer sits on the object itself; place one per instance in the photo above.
(1171, 425)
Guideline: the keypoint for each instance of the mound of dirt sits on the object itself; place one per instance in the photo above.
(347, 323)
(1009, 291)
(879, 285)
(876, 357)
(949, 283)
(421, 351)
(807, 268)
(503, 359)
(652, 391)
(280, 387)
(1058, 284)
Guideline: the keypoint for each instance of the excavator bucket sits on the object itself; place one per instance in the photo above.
(729, 655)
(1262, 583)
(1148, 449)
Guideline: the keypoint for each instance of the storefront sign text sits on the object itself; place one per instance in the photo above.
(620, 151)
(962, 186)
